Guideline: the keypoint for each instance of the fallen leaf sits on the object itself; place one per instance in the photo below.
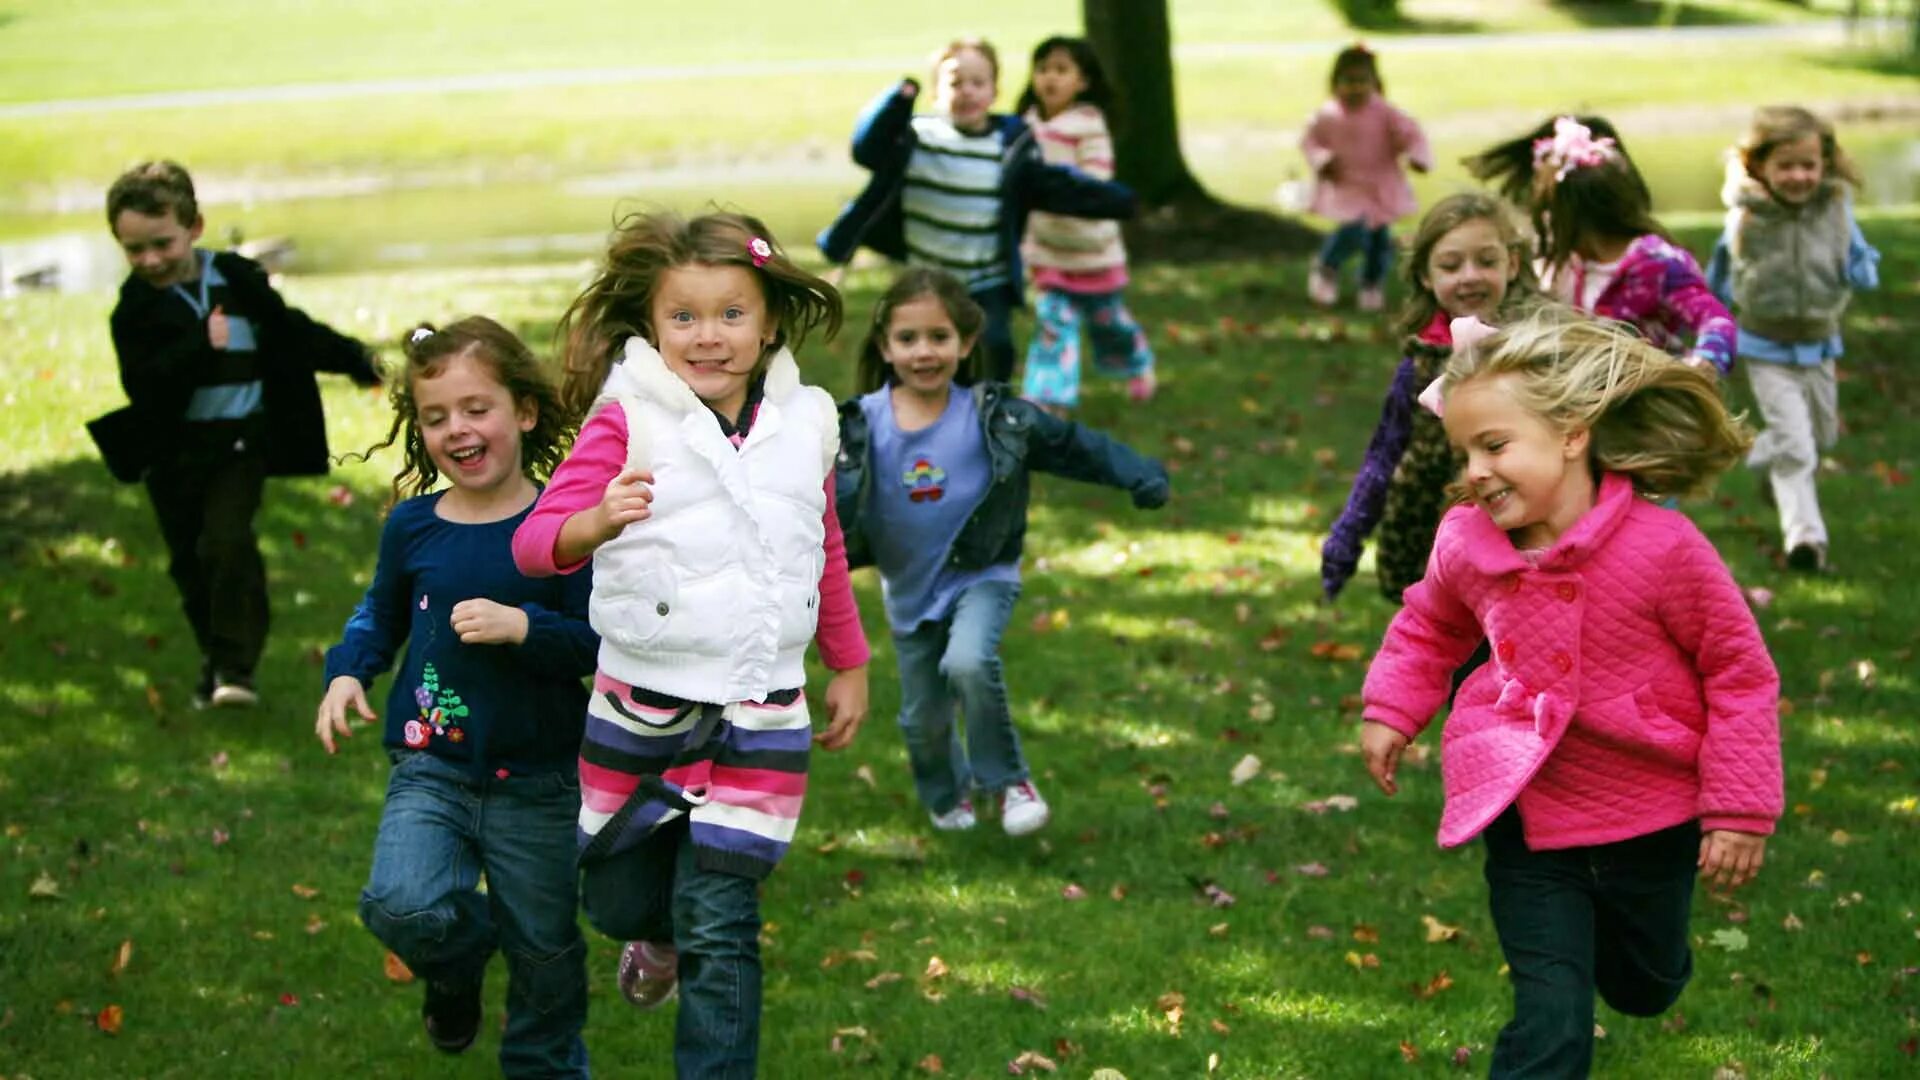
(931, 1064)
(883, 979)
(290, 1000)
(1173, 1006)
(1218, 930)
(121, 958)
(1461, 1056)
(109, 1019)
(1073, 892)
(1320, 933)
(1342, 803)
(936, 968)
(1244, 770)
(1031, 1059)
(44, 887)
(1433, 987)
(1338, 652)
(315, 923)
(1409, 1053)
(1730, 938)
(864, 774)
(305, 892)
(1791, 922)
(220, 837)
(1312, 869)
(218, 761)
(396, 969)
(1030, 996)
(1365, 934)
(341, 496)
(1437, 930)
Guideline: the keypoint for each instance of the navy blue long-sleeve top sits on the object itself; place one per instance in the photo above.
(518, 708)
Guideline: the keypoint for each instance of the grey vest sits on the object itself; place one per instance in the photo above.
(1790, 263)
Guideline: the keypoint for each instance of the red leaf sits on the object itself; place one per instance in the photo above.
(289, 1000)
(109, 1019)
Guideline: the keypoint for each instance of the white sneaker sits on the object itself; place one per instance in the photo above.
(234, 694)
(1372, 298)
(1323, 288)
(958, 819)
(1022, 810)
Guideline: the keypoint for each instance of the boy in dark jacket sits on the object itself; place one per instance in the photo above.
(220, 375)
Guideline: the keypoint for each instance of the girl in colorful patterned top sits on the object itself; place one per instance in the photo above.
(701, 491)
(1625, 735)
(1600, 248)
(485, 711)
(1788, 261)
(1079, 265)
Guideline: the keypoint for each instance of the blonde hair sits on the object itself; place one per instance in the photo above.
(1442, 218)
(1652, 418)
(968, 44)
(1774, 126)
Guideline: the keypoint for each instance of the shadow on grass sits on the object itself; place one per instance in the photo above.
(1616, 14)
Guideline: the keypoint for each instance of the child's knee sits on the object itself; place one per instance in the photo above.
(549, 982)
(966, 668)
(402, 923)
(1645, 993)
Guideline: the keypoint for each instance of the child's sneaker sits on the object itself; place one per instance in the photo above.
(1807, 558)
(452, 1015)
(203, 686)
(1022, 810)
(1143, 386)
(1372, 298)
(234, 692)
(649, 974)
(1323, 288)
(958, 819)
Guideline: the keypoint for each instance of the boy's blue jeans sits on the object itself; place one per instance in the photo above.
(955, 663)
(657, 891)
(439, 831)
(1374, 243)
(1610, 917)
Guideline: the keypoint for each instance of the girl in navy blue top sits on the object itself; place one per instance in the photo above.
(484, 717)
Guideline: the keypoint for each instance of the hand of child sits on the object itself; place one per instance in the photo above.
(483, 622)
(218, 334)
(331, 720)
(1731, 858)
(1695, 360)
(1382, 747)
(846, 708)
(1330, 172)
(910, 88)
(628, 499)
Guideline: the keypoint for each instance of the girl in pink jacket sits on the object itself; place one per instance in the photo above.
(1626, 732)
(1354, 144)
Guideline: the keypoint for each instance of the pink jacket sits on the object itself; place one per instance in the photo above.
(1367, 143)
(1630, 689)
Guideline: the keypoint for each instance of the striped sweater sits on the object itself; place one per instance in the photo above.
(1059, 247)
(738, 770)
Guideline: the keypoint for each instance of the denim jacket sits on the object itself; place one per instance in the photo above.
(1020, 437)
(883, 143)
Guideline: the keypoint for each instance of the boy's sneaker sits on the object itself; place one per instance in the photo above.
(1022, 810)
(1323, 288)
(1372, 298)
(1807, 558)
(1142, 387)
(958, 819)
(649, 974)
(234, 692)
(452, 1015)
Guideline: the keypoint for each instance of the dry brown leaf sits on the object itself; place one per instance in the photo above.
(1438, 931)
(396, 969)
(44, 887)
(305, 892)
(122, 957)
(883, 979)
(936, 968)
(1365, 934)
(1031, 1059)
(931, 1064)
(109, 1019)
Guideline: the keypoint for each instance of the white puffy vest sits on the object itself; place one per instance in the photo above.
(714, 598)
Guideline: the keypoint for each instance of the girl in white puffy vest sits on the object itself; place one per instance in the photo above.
(700, 487)
(1787, 263)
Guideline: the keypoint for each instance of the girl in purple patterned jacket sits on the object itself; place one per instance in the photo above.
(1601, 249)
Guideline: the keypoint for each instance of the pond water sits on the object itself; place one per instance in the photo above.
(379, 223)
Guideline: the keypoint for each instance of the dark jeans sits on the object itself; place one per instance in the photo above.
(205, 498)
(1375, 243)
(439, 830)
(657, 891)
(950, 666)
(996, 338)
(1611, 917)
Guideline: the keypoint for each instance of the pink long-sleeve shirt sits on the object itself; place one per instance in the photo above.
(598, 456)
(1367, 145)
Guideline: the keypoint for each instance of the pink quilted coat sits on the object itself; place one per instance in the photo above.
(1630, 689)
(1368, 142)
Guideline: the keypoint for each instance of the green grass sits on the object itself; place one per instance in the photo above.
(1137, 672)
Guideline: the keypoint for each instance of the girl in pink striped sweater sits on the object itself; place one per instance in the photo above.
(1626, 733)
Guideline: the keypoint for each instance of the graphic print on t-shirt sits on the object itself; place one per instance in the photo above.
(925, 481)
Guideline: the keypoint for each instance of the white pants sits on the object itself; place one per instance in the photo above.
(1802, 412)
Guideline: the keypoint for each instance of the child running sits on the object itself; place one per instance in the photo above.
(1469, 257)
(952, 188)
(1788, 261)
(932, 483)
(699, 490)
(485, 714)
(1355, 144)
(1625, 734)
(1079, 264)
(1600, 247)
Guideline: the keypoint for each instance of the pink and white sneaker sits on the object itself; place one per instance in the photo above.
(1143, 386)
(649, 975)
(1323, 288)
(1022, 810)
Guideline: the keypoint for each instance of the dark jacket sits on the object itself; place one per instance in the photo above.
(165, 356)
(1020, 437)
(883, 143)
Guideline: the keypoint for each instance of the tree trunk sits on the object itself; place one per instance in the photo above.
(1135, 44)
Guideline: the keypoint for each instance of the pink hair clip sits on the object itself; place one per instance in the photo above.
(760, 250)
(1571, 147)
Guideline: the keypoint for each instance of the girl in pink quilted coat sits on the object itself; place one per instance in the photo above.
(1626, 733)
(1601, 249)
(1355, 144)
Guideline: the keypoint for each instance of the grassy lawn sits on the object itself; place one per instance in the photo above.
(1149, 656)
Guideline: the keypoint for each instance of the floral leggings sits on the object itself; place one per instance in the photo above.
(1053, 360)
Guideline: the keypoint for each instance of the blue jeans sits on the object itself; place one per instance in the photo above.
(1610, 917)
(955, 662)
(996, 337)
(439, 830)
(1375, 243)
(657, 891)
(1053, 358)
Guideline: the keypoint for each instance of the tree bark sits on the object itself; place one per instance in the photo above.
(1135, 44)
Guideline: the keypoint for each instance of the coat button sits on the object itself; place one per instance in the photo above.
(660, 608)
(1505, 651)
(1567, 591)
(1562, 661)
